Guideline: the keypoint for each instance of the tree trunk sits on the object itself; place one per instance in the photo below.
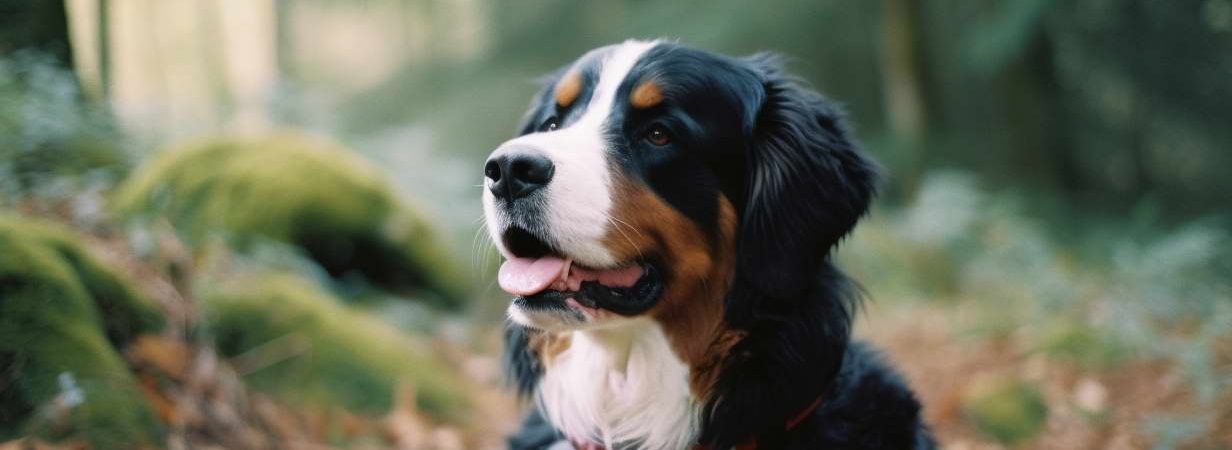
(1037, 118)
(903, 86)
(283, 43)
(104, 48)
(40, 25)
(901, 76)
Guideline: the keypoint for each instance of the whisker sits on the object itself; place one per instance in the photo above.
(477, 244)
(616, 224)
(475, 247)
(631, 227)
(487, 255)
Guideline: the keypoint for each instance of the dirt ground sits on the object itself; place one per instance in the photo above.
(1088, 409)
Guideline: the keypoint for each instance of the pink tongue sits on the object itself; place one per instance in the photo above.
(529, 276)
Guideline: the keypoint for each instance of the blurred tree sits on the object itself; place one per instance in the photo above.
(903, 84)
(1096, 103)
(1148, 84)
(219, 88)
(901, 77)
(1014, 48)
(51, 137)
(103, 36)
(41, 25)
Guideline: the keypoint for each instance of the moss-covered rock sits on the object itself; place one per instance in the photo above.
(291, 188)
(305, 346)
(63, 315)
(1008, 410)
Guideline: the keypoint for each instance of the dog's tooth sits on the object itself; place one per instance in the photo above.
(564, 272)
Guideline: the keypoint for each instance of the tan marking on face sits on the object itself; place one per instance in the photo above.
(548, 345)
(699, 275)
(646, 95)
(568, 88)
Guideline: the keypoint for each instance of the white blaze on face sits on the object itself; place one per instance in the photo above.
(578, 199)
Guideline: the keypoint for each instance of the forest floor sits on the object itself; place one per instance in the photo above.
(1087, 408)
(204, 403)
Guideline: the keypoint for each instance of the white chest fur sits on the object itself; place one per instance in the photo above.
(619, 386)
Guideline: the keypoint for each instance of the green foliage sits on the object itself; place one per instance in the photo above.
(1100, 101)
(1171, 297)
(294, 189)
(50, 140)
(1010, 411)
(1008, 35)
(296, 341)
(1050, 286)
(473, 105)
(62, 317)
(1084, 345)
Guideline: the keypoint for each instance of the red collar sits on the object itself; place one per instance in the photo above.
(808, 411)
(751, 444)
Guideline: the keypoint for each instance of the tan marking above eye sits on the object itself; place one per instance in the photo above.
(646, 95)
(568, 88)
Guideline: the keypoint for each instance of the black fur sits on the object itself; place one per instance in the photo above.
(806, 184)
(522, 368)
(784, 157)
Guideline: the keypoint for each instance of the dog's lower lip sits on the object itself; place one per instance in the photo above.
(627, 301)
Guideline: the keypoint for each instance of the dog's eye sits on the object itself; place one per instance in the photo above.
(550, 125)
(659, 136)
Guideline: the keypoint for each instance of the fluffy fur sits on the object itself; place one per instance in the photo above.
(729, 184)
(641, 393)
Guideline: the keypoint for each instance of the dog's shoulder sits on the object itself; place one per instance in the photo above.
(870, 407)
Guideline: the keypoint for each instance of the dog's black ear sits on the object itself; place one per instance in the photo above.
(806, 184)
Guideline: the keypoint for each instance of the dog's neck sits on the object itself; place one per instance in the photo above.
(622, 385)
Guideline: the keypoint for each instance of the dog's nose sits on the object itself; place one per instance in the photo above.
(513, 175)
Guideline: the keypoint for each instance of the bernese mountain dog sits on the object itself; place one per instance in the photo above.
(668, 218)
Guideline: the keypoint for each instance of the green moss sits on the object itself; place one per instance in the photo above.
(297, 342)
(62, 317)
(126, 313)
(335, 206)
(1082, 345)
(1010, 411)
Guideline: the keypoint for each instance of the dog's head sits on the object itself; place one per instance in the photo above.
(649, 178)
(655, 183)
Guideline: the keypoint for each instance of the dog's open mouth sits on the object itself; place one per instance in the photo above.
(553, 281)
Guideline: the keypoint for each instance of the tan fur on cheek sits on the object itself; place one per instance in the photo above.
(547, 345)
(568, 88)
(700, 272)
(646, 95)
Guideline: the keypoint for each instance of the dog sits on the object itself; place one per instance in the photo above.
(667, 217)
